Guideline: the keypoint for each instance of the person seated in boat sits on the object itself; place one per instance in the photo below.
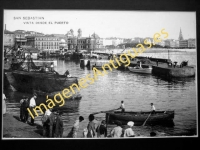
(122, 107)
(129, 131)
(67, 74)
(52, 67)
(42, 69)
(153, 109)
(22, 67)
(137, 67)
(46, 69)
(175, 63)
(117, 131)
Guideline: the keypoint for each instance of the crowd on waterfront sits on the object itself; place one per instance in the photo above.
(53, 127)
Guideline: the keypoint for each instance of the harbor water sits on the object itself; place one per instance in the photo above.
(137, 91)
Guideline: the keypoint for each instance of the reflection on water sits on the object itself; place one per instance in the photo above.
(136, 90)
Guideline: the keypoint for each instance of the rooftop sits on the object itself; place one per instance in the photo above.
(8, 32)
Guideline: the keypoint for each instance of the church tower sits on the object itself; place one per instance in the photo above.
(180, 35)
(79, 33)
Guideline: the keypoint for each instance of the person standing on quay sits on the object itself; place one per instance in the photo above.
(101, 130)
(117, 131)
(31, 106)
(23, 109)
(59, 125)
(91, 127)
(21, 116)
(51, 123)
(129, 131)
(4, 104)
(45, 122)
(75, 128)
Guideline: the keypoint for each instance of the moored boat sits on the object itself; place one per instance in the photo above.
(27, 77)
(146, 69)
(159, 118)
(141, 70)
(174, 72)
(46, 82)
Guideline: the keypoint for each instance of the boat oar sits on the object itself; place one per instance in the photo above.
(146, 120)
(104, 111)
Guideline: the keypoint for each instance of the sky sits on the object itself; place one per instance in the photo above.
(122, 24)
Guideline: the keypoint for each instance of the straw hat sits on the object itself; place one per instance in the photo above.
(130, 123)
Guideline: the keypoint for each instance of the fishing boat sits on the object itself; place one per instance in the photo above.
(36, 78)
(46, 82)
(158, 118)
(146, 69)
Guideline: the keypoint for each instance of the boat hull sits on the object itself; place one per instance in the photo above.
(140, 70)
(183, 72)
(100, 67)
(159, 118)
(30, 81)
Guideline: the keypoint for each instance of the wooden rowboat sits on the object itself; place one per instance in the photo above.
(159, 118)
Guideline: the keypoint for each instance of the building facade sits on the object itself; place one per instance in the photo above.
(20, 38)
(191, 43)
(162, 43)
(172, 43)
(44, 43)
(167, 43)
(8, 39)
(176, 43)
(183, 43)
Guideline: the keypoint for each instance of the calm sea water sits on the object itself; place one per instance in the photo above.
(137, 91)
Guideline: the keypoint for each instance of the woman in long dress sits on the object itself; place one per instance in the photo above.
(4, 104)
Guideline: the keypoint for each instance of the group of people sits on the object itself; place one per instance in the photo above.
(101, 130)
(24, 104)
(45, 68)
(53, 123)
(118, 131)
(91, 131)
